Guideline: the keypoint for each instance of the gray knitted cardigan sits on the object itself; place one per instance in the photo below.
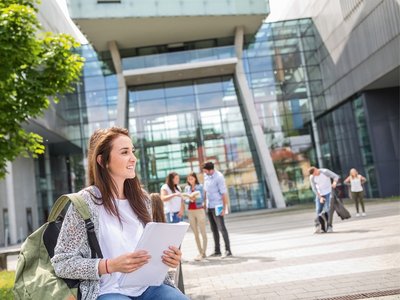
(72, 255)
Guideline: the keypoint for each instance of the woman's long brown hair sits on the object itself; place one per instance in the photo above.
(91, 147)
(170, 182)
(104, 182)
(196, 180)
(158, 208)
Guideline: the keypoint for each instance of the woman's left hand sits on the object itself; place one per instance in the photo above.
(172, 257)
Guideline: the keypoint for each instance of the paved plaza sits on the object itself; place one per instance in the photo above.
(277, 256)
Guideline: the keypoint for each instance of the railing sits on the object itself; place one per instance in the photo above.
(180, 57)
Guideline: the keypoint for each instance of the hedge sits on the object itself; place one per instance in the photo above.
(6, 285)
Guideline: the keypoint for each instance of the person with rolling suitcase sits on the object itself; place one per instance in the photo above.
(322, 185)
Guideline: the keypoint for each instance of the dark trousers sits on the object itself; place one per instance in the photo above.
(358, 197)
(217, 224)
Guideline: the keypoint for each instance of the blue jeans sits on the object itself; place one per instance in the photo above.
(162, 292)
(326, 207)
(173, 218)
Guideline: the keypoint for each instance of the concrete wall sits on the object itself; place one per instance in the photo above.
(360, 40)
(24, 194)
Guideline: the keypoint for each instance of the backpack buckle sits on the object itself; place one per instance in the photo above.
(89, 225)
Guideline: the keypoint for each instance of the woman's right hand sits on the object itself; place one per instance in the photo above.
(128, 262)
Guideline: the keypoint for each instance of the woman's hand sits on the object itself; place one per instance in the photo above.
(172, 257)
(128, 262)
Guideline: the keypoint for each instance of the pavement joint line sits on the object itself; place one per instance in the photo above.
(365, 295)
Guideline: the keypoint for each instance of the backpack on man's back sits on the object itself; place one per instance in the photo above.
(35, 277)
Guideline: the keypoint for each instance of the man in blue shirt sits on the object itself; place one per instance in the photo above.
(215, 193)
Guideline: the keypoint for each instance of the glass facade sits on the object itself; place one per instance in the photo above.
(175, 58)
(282, 68)
(176, 126)
(345, 142)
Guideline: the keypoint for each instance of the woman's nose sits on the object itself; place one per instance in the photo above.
(133, 157)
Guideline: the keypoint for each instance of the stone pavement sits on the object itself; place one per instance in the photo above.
(277, 256)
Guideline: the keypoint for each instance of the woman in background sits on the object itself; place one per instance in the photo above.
(357, 192)
(197, 214)
(171, 195)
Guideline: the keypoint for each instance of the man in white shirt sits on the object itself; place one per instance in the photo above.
(322, 186)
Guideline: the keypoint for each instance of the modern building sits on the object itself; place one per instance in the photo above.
(264, 99)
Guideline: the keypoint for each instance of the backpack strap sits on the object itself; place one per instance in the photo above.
(83, 209)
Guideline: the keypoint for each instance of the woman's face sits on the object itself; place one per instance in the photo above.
(191, 180)
(353, 172)
(122, 161)
(176, 180)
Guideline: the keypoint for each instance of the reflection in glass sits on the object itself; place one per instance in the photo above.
(202, 121)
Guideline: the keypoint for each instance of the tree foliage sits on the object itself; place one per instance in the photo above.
(34, 67)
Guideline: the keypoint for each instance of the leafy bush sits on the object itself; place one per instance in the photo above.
(6, 285)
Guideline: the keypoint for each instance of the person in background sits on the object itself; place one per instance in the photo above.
(197, 215)
(357, 192)
(157, 207)
(322, 186)
(119, 210)
(171, 195)
(215, 194)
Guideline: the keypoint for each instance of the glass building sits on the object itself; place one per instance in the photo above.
(212, 80)
(177, 125)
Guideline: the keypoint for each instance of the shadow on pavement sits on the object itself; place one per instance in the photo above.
(229, 260)
(355, 231)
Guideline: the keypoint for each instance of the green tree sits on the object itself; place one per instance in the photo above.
(34, 68)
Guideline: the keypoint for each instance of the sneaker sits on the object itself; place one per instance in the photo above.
(198, 257)
(364, 214)
(227, 254)
(329, 229)
(215, 254)
(317, 229)
(357, 214)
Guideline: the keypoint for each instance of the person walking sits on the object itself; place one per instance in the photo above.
(171, 195)
(215, 194)
(119, 210)
(322, 186)
(356, 189)
(196, 212)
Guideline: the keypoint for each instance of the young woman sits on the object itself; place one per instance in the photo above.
(171, 195)
(357, 192)
(119, 210)
(197, 214)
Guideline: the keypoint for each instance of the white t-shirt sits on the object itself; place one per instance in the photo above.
(323, 184)
(356, 185)
(174, 204)
(115, 239)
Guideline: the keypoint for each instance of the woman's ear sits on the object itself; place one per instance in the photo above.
(99, 160)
